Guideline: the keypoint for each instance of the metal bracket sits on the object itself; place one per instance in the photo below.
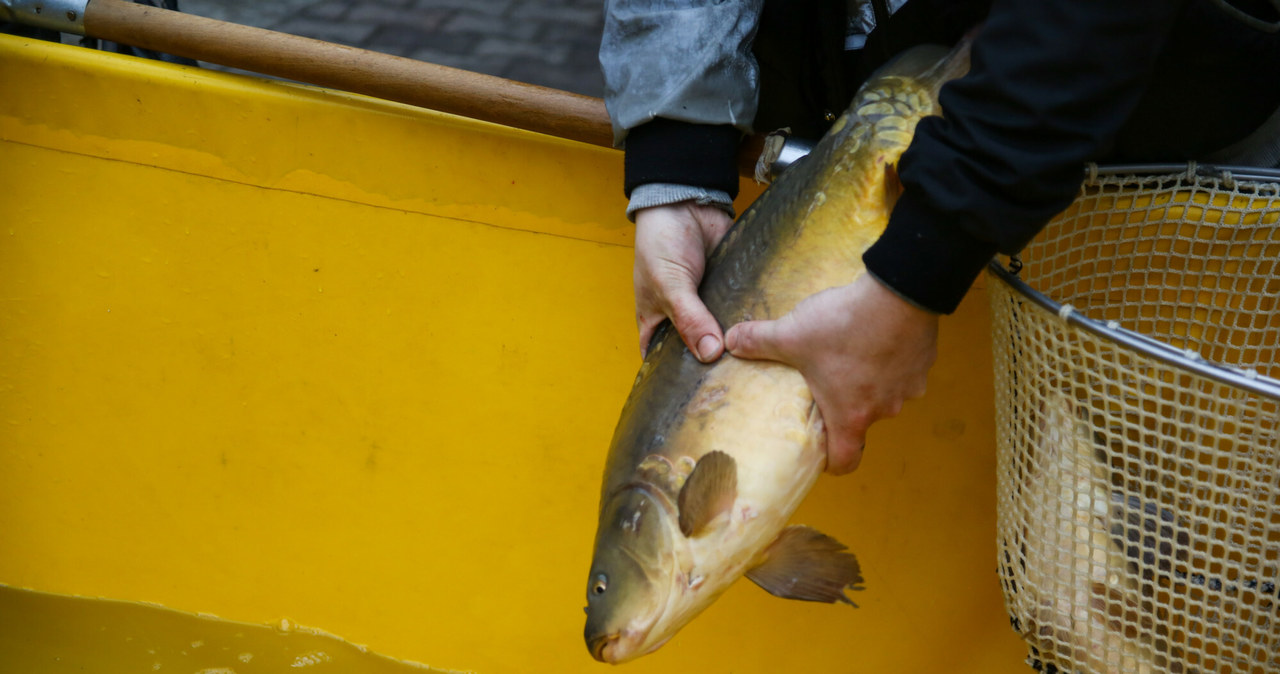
(781, 150)
(66, 16)
(792, 151)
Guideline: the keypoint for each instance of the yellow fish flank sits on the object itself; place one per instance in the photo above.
(708, 462)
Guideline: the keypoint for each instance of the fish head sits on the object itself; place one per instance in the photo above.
(632, 575)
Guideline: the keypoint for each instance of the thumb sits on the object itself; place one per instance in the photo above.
(755, 340)
(697, 327)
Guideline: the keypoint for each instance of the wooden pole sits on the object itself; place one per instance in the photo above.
(459, 92)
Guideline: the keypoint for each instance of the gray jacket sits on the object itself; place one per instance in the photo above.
(688, 61)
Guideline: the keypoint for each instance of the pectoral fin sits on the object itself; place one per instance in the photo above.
(807, 564)
(710, 490)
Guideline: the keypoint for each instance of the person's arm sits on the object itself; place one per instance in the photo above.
(680, 86)
(1051, 83)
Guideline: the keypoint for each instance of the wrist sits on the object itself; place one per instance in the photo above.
(926, 258)
(886, 288)
(889, 303)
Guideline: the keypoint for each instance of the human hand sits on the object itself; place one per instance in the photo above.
(863, 351)
(672, 245)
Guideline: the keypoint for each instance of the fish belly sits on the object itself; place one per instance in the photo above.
(763, 416)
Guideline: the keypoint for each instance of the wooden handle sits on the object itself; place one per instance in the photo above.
(460, 92)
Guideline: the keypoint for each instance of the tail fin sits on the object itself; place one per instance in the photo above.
(932, 64)
(954, 65)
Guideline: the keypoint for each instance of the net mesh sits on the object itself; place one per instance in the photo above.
(1139, 499)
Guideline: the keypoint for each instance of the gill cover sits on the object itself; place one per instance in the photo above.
(631, 573)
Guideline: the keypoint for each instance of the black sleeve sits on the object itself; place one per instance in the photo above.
(668, 151)
(1051, 83)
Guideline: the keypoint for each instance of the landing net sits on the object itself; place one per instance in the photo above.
(1138, 423)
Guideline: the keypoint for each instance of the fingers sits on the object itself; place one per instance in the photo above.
(844, 448)
(696, 325)
(844, 433)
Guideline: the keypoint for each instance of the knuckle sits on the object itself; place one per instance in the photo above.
(858, 420)
(646, 320)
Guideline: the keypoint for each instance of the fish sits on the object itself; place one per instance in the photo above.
(708, 462)
(1078, 605)
(1100, 569)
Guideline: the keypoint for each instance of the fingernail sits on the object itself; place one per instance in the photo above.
(707, 348)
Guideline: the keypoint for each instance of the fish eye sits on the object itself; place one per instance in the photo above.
(600, 585)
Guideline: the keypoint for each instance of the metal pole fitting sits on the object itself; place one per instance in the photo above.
(66, 16)
(780, 151)
(793, 151)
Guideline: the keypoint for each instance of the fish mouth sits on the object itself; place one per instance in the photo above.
(601, 646)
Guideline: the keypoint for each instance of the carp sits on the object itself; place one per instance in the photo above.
(709, 461)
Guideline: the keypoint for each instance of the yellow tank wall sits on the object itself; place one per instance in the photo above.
(269, 351)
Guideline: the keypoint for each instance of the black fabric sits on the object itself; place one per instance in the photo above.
(667, 151)
(1055, 84)
(806, 76)
(1215, 82)
(799, 47)
(918, 22)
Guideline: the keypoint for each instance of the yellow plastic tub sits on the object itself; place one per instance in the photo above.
(288, 356)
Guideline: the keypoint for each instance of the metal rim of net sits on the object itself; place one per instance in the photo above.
(1248, 380)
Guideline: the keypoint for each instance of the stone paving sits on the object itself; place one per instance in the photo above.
(552, 43)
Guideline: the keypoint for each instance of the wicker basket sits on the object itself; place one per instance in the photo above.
(1138, 418)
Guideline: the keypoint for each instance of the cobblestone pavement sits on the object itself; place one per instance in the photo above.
(552, 43)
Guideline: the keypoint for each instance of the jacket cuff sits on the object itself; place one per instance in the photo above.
(925, 258)
(682, 153)
(663, 194)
